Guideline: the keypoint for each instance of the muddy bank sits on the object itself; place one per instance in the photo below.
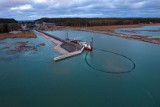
(102, 28)
(10, 50)
(24, 34)
(134, 37)
(109, 30)
(136, 31)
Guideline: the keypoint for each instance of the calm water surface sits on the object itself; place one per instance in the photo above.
(140, 31)
(32, 79)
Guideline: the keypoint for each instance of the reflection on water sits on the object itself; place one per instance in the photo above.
(33, 79)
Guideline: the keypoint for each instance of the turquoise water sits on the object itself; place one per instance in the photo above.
(142, 33)
(33, 79)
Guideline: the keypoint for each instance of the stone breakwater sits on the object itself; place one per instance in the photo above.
(65, 48)
(58, 43)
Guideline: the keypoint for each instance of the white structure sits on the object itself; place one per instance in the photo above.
(24, 27)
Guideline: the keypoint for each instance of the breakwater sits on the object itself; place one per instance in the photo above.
(63, 47)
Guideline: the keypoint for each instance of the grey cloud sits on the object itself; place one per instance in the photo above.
(80, 8)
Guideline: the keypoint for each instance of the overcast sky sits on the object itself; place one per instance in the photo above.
(34, 9)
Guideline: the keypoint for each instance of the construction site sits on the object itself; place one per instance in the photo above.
(68, 47)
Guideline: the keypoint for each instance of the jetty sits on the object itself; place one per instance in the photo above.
(68, 55)
(64, 47)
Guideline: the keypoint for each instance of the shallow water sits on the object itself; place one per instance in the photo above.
(35, 80)
(142, 33)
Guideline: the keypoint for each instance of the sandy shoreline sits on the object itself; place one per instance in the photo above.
(102, 28)
(110, 30)
(125, 26)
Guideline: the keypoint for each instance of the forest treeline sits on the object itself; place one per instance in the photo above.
(7, 25)
(81, 22)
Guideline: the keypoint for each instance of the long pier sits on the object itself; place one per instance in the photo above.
(52, 36)
(69, 55)
(63, 47)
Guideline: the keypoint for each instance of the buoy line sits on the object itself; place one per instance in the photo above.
(128, 71)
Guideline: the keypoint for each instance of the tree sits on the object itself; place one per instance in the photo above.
(1, 28)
